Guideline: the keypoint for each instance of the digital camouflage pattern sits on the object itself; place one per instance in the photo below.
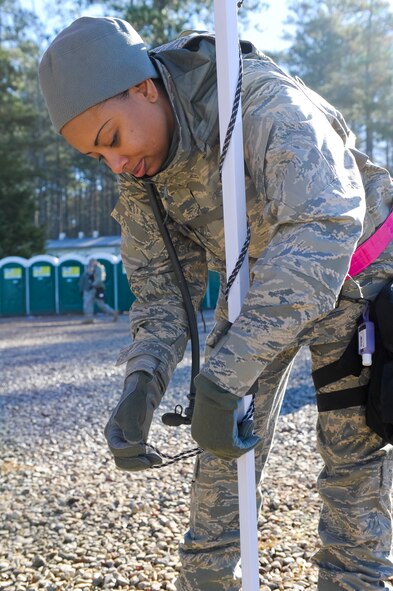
(307, 212)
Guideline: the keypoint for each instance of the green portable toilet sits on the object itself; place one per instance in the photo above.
(125, 297)
(109, 261)
(70, 269)
(13, 286)
(42, 285)
(213, 287)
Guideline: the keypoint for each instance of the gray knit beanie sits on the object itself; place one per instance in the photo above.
(93, 59)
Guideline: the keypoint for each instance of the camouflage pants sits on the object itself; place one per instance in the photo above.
(354, 485)
(89, 299)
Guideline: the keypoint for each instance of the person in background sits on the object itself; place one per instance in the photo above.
(92, 288)
(312, 197)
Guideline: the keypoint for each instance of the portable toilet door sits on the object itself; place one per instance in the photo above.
(70, 269)
(213, 286)
(43, 285)
(13, 286)
(109, 261)
(125, 295)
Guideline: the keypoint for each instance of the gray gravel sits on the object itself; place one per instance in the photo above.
(69, 520)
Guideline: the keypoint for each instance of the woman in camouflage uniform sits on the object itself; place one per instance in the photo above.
(311, 198)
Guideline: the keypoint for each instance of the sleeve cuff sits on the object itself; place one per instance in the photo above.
(234, 367)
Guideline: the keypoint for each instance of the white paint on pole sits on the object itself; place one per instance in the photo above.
(235, 223)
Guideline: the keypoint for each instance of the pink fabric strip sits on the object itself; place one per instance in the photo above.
(370, 250)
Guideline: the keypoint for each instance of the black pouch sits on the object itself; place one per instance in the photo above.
(100, 293)
(379, 406)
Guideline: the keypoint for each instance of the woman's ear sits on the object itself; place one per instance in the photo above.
(147, 88)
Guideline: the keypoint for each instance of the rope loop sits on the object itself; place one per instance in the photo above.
(184, 455)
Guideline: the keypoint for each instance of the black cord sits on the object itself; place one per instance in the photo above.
(174, 419)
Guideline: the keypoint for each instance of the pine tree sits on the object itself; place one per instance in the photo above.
(344, 50)
(18, 233)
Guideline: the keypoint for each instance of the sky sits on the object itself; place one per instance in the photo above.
(268, 37)
(270, 23)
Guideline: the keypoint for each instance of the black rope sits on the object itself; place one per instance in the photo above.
(225, 147)
(184, 455)
(243, 253)
(250, 411)
(239, 263)
(232, 120)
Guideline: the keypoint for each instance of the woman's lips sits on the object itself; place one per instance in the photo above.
(140, 169)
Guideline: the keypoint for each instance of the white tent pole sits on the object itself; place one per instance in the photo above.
(235, 223)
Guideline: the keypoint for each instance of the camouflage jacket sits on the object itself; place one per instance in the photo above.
(305, 204)
(94, 279)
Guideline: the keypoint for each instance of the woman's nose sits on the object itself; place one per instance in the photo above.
(116, 163)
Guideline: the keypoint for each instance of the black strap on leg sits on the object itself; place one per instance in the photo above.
(342, 399)
(350, 363)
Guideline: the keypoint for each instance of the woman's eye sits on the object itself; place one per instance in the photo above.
(115, 140)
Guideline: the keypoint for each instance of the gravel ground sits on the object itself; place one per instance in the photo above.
(69, 520)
